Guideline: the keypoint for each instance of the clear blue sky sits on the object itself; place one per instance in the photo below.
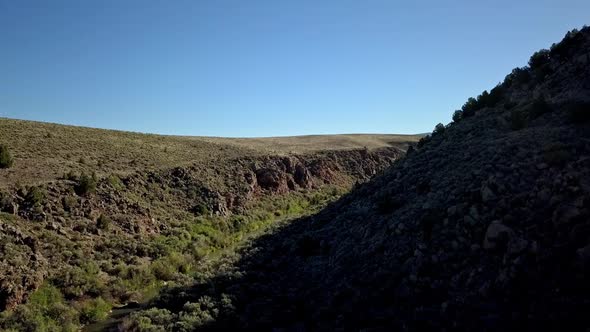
(265, 68)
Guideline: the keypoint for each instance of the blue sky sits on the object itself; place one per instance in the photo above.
(265, 68)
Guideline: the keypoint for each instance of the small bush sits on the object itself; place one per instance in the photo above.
(439, 129)
(568, 45)
(76, 282)
(457, 116)
(167, 267)
(423, 141)
(35, 196)
(94, 310)
(496, 95)
(200, 209)
(86, 185)
(70, 176)
(152, 319)
(69, 203)
(518, 76)
(103, 222)
(45, 310)
(469, 107)
(6, 159)
(6, 202)
(539, 59)
(115, 182)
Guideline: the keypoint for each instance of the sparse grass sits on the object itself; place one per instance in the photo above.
(44, 158)
(115, 182)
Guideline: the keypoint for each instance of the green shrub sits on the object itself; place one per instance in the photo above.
(195, 315)
(485, 99)
(457, 115)
(70, 175)
(86, 185)
(35, 196)
(93, 310)
(103, 222)
(496, 95)
(6, 203)
(69, 203)
(540, 65)
(518, 76)
(470, 106)
(423, 141)
(150, 320)
(439, 129)
(539, 59)
(76, 282)
(6, 159)
(115, 182)
(200, 209)
(568, 45)
(45, 310)
(167, 267)
(46, 296)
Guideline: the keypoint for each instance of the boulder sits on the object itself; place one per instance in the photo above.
(497, 235)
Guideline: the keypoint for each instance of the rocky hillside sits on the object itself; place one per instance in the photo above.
(121, 224)
(485, 225)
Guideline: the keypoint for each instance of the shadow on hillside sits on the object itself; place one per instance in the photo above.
(289, 281)
(281, 282)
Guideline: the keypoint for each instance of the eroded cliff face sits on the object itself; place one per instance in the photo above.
(145, 205)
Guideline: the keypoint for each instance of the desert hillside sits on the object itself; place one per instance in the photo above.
(484, 225)
(45, 151)
(93, 220)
